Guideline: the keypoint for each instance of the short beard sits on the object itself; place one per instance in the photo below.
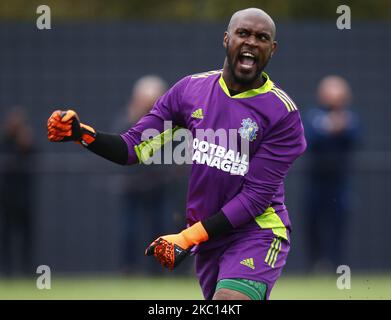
(239, 79)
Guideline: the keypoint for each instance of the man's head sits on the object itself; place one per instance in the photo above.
(144, 95)
(334, 92)
(249, 42)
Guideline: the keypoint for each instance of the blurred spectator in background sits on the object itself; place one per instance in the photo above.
(144, 216)
(145, 92)
(331, 131)
(16, 205)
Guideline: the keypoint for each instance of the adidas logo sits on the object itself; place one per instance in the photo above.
(197, 114)
(248, 263)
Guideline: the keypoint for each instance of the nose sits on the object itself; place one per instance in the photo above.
(251, 40)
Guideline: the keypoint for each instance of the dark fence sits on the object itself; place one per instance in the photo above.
(92, 67)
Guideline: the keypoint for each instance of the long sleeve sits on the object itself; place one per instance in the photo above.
(267, 170)
(146, 136)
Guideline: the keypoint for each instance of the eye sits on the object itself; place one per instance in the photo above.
(242, 33)
(263, 37)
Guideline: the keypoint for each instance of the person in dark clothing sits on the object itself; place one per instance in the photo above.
(332, 130)
(142, 217)
(16, 198)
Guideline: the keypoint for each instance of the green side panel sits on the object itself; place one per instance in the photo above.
(270, 220)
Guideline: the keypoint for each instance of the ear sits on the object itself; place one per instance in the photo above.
(274, 48)
(225, 40)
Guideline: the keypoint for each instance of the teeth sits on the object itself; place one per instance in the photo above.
(247, 54)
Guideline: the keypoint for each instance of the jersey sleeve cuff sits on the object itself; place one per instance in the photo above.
(236, 212)
(132, 156)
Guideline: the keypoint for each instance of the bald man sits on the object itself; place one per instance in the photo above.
(332, 131)
(237, 222)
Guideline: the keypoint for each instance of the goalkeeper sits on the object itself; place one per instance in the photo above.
(238, 224)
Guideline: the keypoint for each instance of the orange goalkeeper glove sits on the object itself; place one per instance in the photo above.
(171, 250)
(65, 126)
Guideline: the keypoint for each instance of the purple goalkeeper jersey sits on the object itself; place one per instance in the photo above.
(248, 186)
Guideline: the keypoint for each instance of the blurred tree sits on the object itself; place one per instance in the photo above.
(185, 10)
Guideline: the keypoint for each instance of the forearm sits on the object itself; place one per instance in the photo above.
(204, 230)
(110, 146)
(171, 249)
(66, 126)
(127, 148)
(217, 225)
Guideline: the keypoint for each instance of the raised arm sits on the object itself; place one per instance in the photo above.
(126, 148)
(66, 126)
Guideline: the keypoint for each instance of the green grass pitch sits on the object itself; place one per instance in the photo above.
(186, 288)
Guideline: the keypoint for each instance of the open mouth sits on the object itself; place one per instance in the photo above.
(247, 60)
